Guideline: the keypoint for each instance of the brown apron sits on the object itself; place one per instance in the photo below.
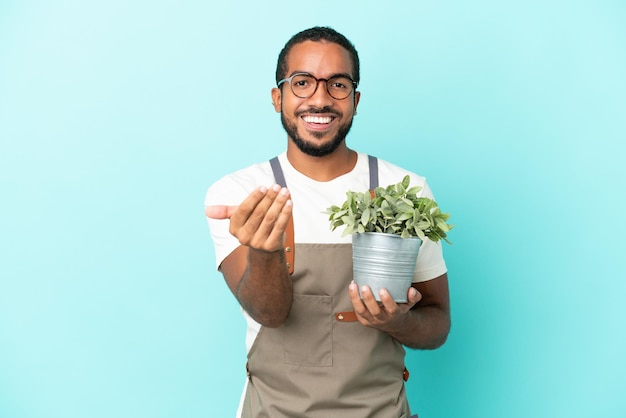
(321, 362)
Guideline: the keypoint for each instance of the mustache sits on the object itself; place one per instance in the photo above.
(313, 110)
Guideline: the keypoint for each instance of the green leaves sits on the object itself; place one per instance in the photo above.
(395, 209)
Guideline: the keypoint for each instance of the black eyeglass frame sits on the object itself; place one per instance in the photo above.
(317, 83)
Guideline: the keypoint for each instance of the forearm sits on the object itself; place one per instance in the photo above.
(265, 290)
(424, 327)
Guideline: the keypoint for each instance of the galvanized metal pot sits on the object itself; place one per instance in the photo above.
(384, 261)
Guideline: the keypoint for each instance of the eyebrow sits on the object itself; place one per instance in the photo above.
(331, 76)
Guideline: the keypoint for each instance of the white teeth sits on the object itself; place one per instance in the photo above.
(317, 119)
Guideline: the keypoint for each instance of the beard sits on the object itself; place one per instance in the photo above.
(313, 149)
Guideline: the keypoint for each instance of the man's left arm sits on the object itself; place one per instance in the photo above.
(423, 322)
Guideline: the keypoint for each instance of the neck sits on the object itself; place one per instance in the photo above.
(326, 168)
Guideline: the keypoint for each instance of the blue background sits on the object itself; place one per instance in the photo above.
(116, 116)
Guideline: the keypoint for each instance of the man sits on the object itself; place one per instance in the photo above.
(316, 348)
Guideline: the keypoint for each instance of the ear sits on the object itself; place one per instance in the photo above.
(357, 97)
(277, 99)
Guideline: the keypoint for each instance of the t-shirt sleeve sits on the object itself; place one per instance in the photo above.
(223, 192)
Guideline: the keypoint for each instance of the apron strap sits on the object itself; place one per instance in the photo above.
(290, 247)
(373, 163)
(278, 172)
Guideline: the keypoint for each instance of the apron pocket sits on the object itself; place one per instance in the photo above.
(307, 333)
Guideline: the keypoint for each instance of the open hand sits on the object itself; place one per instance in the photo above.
(260, 221)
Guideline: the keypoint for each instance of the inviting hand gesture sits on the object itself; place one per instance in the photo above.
(259, 222)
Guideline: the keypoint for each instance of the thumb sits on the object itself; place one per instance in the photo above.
(220, 211)
(414, 296)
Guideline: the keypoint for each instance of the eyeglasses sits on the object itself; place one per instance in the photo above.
(304, 85)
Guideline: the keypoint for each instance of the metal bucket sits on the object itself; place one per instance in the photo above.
(385, 261)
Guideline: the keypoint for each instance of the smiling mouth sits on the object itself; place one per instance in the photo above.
(318, 120)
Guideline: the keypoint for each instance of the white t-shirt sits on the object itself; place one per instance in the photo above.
(310, 199)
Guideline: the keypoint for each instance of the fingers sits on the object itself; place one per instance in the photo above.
(381, 314)
(365, 305)
(261, 219)
(414, 297)
(271, 216)
(392, 307)
(277, 233)
(355, 298)
(248, 206)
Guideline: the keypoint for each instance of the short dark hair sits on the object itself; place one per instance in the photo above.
(317, 34)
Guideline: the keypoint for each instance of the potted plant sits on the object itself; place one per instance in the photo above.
(388, 226)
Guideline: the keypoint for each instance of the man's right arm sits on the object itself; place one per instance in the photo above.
(256, 272)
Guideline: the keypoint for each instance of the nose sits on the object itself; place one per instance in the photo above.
(320, 97)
